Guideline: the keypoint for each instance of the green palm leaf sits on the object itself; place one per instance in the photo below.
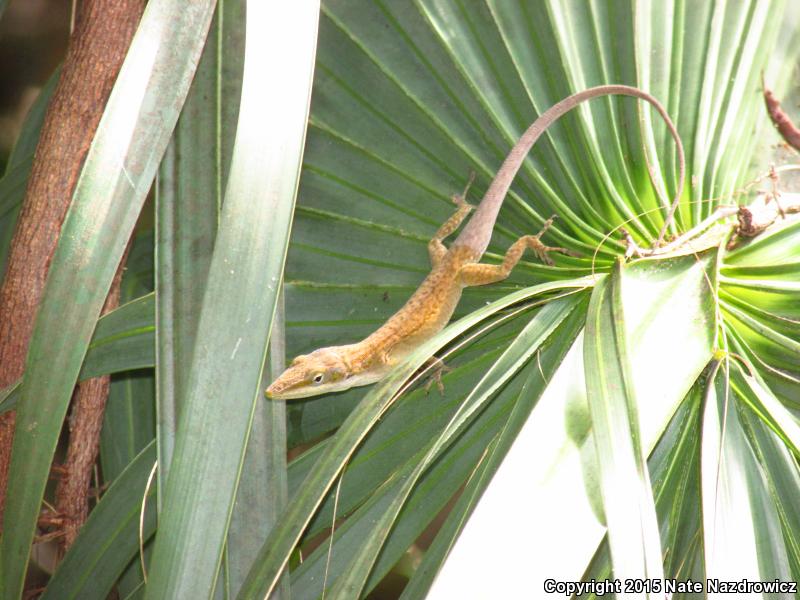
(450, 89)
(88, 254)
(242, 287)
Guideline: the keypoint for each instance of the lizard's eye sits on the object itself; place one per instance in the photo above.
(317, 378)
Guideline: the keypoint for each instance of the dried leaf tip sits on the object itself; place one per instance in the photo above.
(788, 130)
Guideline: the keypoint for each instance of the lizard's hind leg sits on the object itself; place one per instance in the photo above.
(482, 274)
(436, 249)
(438, 368)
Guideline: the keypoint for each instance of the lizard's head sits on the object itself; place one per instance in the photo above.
(320, 372)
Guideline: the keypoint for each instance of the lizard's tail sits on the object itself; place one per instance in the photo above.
(478, 231)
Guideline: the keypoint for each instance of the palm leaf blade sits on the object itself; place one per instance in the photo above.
(94, 235)
(242, 288)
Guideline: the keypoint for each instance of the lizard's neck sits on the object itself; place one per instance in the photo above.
(361, 355)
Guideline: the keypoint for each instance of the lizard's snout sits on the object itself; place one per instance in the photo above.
(274, 389)
(289, 379)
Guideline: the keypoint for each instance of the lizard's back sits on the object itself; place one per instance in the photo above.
(428, 310)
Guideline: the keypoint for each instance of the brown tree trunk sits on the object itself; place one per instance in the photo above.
(85, 423)
(97, 48)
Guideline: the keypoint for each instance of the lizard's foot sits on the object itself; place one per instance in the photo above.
(545, 226)
(462, 204)
(460, 200)
(542, 251)
(437, 370)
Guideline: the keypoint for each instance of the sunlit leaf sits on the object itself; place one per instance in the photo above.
(562, 483)
(624, 480)
(239, 301)
(278, 546)
(739, 519)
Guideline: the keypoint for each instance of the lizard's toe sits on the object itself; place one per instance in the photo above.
(461, 202)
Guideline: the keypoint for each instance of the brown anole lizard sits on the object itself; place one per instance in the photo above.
(337, 368)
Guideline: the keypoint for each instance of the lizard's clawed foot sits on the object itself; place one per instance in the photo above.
(542, 251)
(460, 200)
(437, 370)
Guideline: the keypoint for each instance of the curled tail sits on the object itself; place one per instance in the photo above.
(478, 231)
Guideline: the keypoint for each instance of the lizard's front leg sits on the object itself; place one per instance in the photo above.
(482, 274)
(436, 249)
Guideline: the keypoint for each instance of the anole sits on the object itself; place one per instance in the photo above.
(337, 368)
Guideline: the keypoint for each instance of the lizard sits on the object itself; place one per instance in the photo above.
(429, 309)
